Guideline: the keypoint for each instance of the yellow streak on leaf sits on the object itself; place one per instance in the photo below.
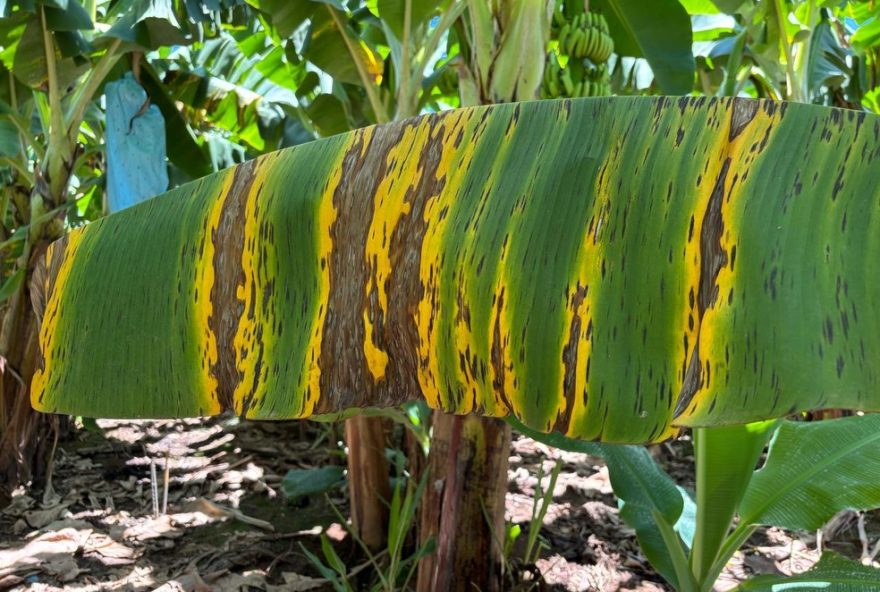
(717, 155)
(248, 348)
(50, 317)
(389, 207)
(589, 277)
(453, 167)
(464, 335)
(592, 253)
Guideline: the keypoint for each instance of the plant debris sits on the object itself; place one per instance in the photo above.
(229, 527)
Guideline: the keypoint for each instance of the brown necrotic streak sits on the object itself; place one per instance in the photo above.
(41, 286)
(398, 333)
(712, 258)
(498, 348)
(569, 360)
(43, 279)
(228, 240)
(744, 111)
(712, 255)
(346, 380)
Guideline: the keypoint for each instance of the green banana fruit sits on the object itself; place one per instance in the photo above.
(606, 46)
(576, 39)
(567, 82)
(593, 44)
(563, 36)
(583, 40)
(559, 18)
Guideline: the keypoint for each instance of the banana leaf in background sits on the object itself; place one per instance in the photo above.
(607, 268)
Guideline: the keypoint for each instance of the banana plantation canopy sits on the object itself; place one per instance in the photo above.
(607, 268)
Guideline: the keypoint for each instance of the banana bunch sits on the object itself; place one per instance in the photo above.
(577, 68)
(573, 82)
(584, 36)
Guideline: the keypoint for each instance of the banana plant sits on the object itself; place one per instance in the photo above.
(504, 276)
(812, 471)
(55, 57)
(808, 51)
(53, 62)
(716, 212)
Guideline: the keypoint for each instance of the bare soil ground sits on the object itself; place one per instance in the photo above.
(228, 527)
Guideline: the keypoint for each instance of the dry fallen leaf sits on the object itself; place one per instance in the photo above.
(10, 581)
(233, 582)
(108, 551)
(62, 567)
(294, 582)
(211, 509)
(49, 551)
(18, 505)
(190, 581)
(40, 518)
(151, 528)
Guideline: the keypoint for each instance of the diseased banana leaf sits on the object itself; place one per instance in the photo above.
(607, 268)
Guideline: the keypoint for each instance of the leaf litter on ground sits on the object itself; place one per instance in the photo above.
(242, 497)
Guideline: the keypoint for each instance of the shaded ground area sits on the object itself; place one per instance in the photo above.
(227, 525)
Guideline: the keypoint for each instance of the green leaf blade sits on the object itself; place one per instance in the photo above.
(813, 471)
(646, 494)
(653, 277)
(726, 458)
(832, 573)
(305, 482)
(659, 31)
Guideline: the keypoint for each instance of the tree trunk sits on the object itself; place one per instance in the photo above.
(368, 479)
(463, 505)
(26, 436)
